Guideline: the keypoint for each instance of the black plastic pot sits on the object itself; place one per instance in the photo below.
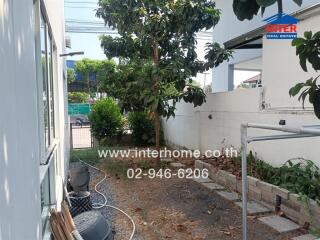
(93, 226)
(80, 202)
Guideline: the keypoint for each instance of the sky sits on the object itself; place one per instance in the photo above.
(80, 18)
(83, 10)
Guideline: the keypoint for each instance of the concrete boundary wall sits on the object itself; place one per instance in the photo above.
(216, 124)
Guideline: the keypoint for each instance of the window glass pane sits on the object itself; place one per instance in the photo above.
(51, 95)
(43, 33)
(45, 199)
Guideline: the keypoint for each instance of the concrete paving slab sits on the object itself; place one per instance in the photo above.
(280, 224)
(231, 196)
(166, 160)
(254, 208)
(177, 165)
(203, 180)
(305, 237)
(213, 186)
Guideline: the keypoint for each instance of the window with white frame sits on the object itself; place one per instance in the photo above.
(47, 47)
(44, 56)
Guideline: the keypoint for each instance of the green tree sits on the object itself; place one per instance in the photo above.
(78, 97)
(126, 83)
(101, 69)
(70, 75)
(162, 35)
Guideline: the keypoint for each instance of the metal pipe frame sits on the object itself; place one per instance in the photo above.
(294, 132)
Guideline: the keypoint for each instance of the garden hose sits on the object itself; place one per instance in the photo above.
(105, 203)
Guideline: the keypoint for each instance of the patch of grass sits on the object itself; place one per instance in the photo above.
(116, 167)
(90, 156)
(144, 164)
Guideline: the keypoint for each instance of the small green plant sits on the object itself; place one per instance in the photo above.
(143, 133)
(106, 119)
(78, 97)
(299, 176)
(90, 156)
(116, 168)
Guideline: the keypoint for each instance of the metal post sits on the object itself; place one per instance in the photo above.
(244, 143)
(71, 137)
(296, 132)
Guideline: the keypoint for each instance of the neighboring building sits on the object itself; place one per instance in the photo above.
(34, 138)
(80, 84)
(270, 103)
(251, 82)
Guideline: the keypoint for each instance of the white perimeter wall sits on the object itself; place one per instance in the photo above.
(19, 117)
(281, 70)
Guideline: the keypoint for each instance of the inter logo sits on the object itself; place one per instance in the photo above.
(281, 26)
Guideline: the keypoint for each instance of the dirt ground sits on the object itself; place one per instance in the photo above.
(179, 209)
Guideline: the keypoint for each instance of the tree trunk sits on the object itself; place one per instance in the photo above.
(157, 124)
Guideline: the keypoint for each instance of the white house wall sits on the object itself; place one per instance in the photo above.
(193, 129)
(20, 144)
(281, 68)
(230, 27)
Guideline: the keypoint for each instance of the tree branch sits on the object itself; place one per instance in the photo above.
(280, 7)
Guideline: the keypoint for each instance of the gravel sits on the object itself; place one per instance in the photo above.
(120, 231)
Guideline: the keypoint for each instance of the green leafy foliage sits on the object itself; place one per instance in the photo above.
(247, 9)
(106, 119)
(102, 69)
(70, 75)
(130, 83)
(308, 49)
(299, 176)
(309, 88)
(142, 128)
(302, 177)
(161, 35)
(78, 97)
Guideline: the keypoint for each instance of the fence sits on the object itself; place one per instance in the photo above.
(80, 136)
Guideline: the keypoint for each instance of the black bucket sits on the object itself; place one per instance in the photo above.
(80, 202)
(93, 226)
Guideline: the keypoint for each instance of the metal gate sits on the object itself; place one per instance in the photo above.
(80, 136)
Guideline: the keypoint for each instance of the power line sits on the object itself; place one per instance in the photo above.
(80, 7)
(77, 2)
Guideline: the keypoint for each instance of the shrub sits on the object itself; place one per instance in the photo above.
(106, 119)
(142, 128)
(78, 97)
(299, 176)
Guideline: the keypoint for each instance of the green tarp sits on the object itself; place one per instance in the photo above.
(78, 109)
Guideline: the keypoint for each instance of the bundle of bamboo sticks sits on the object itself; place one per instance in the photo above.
(62, 224)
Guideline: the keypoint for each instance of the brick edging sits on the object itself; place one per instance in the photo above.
(266, 193)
